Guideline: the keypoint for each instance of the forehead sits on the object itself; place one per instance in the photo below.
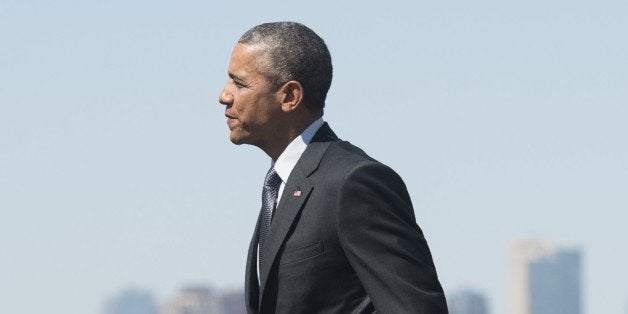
(246, 58)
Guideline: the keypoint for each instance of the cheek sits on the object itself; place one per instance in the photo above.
(253, 110)
(240, 104)
(246, 111)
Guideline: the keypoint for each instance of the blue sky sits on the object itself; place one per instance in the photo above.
(506, 120)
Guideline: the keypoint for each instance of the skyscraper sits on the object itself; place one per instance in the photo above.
(467, 302)
(131, 301)
(545, 279)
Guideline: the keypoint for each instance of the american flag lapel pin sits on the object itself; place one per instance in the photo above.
(297, 193)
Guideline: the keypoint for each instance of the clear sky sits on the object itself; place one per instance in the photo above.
(506, 120)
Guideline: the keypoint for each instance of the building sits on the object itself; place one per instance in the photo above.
(193, 300)
(131, 301)
(555, 283)
(467, 302)
(545, 279)
(233, 302)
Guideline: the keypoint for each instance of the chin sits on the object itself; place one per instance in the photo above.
(238, 140)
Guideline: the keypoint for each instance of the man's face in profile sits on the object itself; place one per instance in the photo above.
(250, 99)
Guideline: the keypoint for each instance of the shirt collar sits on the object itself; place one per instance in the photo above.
(290, 156)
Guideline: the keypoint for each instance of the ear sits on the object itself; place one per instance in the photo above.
(290, 95)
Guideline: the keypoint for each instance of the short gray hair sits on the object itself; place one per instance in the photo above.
(294, 52)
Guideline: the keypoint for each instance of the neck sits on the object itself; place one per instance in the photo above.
(283, 138)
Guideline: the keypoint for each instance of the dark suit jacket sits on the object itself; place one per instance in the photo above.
(343, 239)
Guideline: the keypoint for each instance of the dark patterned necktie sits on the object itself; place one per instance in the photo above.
(269, 201)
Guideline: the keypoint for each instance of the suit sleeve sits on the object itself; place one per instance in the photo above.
(384, 245)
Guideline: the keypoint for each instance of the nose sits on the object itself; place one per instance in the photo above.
(226, 96)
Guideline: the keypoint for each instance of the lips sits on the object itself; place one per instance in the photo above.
(231, 121)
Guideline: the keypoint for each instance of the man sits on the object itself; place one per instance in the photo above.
(337, 232)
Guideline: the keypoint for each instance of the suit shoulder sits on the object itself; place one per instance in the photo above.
(343, 158)
(348, 151)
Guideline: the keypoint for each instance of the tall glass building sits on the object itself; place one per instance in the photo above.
(545, 279)
(555, 284)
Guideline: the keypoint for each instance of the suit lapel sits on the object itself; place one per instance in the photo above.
(294, 197)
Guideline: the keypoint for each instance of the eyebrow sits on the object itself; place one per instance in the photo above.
(235, 77)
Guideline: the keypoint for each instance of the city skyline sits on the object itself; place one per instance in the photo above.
(189, 299)
(545, 278)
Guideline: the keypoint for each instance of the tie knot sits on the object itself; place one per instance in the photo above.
(272, 178)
